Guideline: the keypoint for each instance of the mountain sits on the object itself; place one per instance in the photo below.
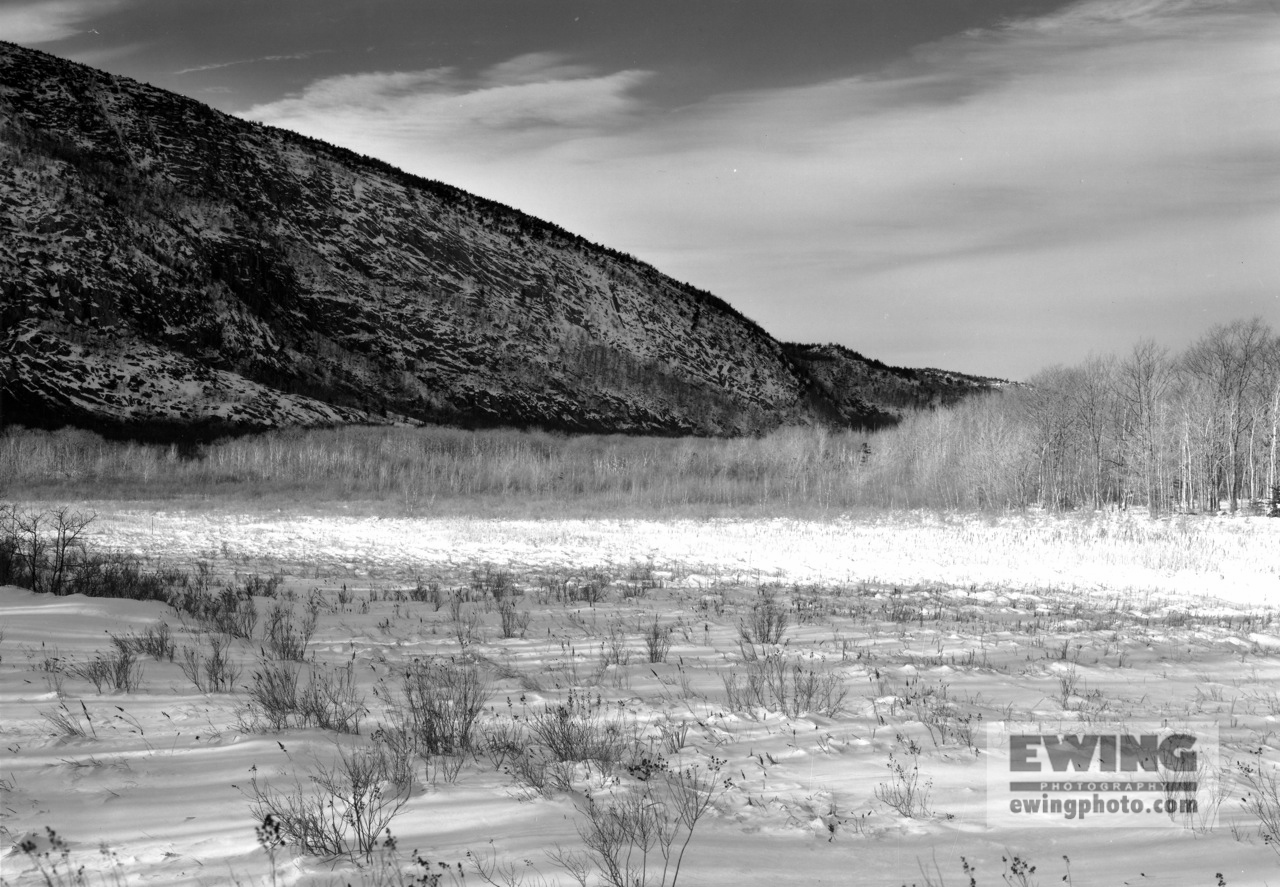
(868, 393)
(167, 270)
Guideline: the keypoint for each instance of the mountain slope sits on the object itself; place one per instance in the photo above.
(170, 270)
(870, 394)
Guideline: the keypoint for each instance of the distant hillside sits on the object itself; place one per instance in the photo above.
(869, 393)
(168, 270)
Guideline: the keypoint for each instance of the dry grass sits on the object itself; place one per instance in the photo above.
(506, 472)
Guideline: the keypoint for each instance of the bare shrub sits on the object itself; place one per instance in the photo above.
(117, 670)
(1200, 802)
(156, 641)
(402, 753)
(427, 592)
(613, 648)
(554, 588)
(581, 729)
(497, 584)
(905, 792)
(317, 602)
(768, 621)
(348, 805)
(637, 834)
(214, 673)
(1068, 683)
(534, 768)
(286, 638)
(230, 611)
(1262, 798)
(444, 700)
(931, 705)
(591, 589)
(546, 749)
(466, 627)
(331, 701)
(432, 717)
(345, 597)
(273, 693)
(502, 739)
(120, 576)
(657, 641)
(774, 683)
(514, 622)
(815, 690)
(743, 695)
(258, 586)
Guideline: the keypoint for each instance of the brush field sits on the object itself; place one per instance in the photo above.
(557, 701)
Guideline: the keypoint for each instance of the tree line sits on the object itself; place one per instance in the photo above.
(1194, 432)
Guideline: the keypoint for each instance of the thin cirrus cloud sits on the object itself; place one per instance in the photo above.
(47, 21)
(997, 200)
(531, 100)
(217, 66)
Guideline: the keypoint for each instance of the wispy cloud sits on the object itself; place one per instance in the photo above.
(264, 58)
(533, 100)
(47, 21)
(1082, 178)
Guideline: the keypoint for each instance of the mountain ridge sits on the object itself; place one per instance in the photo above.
(171, 270)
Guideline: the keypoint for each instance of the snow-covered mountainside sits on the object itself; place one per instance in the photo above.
(166, 269)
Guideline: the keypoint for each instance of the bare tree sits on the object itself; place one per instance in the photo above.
(1273, 374)
(65, 546)
(1230, 362)
(1091, 396)
(1143, 381)
(1048, 412)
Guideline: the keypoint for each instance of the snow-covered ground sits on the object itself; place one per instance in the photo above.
(1230, 559)
(933, 625)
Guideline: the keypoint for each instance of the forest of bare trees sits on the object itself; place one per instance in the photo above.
(1195, 431)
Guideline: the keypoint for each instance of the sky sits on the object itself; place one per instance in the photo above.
(987, 186)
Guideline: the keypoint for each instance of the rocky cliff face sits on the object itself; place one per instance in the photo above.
(168, 270)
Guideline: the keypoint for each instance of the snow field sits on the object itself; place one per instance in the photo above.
(930, 626)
